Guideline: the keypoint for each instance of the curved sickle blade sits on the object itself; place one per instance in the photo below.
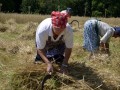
(48, 76)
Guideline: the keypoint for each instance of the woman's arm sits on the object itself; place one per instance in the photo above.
(45, 59)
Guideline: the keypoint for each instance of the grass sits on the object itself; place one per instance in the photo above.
(22, 18)
(17, 52)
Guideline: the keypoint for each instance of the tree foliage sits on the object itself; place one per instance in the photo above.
(102, 8)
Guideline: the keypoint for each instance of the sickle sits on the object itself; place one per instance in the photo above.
(48, 76)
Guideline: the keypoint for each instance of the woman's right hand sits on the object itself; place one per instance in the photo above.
(49, 68)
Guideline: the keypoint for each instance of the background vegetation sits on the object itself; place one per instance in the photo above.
(18, 22)
(17, 52)
(96, 8)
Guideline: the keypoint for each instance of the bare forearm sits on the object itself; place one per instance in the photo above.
(67, 55)
(43, 56)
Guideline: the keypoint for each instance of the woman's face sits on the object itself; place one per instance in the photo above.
(57, 30)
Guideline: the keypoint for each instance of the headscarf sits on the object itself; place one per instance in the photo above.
(117, 30)
(59, 20)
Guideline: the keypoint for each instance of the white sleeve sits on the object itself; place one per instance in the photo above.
(41, 36)
(69, 37)
(42, 33)
(40, 41)
(107, 36)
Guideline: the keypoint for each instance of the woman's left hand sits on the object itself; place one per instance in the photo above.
(64, 69)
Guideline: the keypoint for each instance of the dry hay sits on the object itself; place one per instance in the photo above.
(9, 26)
(14, 47)
(12, 25)
(3, 27)
(10, 22)
(101, 65)
(26, 49)
(75, 28)
(14, 50)
(29, 31)
(81, 77)
(11, 47)
(93, 78)
(99, 56)
(30, 77)
(30, 25)
(27, 36)
(2, 46)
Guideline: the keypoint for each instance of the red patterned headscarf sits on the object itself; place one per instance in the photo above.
(59, 20)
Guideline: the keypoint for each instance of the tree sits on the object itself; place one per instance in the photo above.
(87, 8)
(8, 5)
(30, 6)
(102, 8)
(17, 5)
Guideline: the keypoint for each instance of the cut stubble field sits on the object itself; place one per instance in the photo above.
(17, 52)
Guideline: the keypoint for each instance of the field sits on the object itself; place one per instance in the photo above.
(17, 52)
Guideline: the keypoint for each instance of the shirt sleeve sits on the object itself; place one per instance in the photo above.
(40, 41)
(41, 36)
(107, 36)
(69, 37)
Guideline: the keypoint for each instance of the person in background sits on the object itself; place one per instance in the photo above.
(54, 40)
(97, 35)
(68, 11)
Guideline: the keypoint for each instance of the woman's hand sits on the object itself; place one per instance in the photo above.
(102, 47)
(49, 68)
(64, 69)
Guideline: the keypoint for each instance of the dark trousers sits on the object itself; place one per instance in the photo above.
(58, 58)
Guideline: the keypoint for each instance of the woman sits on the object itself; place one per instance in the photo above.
(97, 34)
(54, 40)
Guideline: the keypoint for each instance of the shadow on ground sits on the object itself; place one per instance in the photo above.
(80, 71)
